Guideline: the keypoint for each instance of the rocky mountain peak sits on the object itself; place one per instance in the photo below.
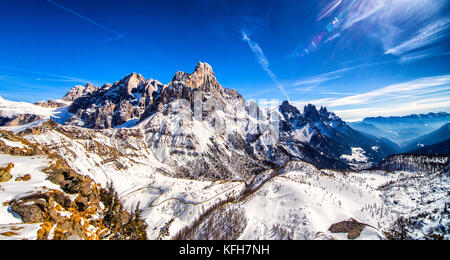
(323, 111)
(289, 110)
(79, 91)
(204, 69)
(311, 112)
(203, 78)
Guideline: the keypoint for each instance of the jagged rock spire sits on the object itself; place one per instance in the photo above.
(131, 82)
(203, 78)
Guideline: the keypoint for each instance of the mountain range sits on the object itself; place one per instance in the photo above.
(189, 150)
(402, 130)
(229, 127)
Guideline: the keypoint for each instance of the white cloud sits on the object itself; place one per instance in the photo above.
(416, 96)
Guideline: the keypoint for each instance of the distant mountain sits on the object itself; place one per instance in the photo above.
(440, 135)
(442, 148)
(330, 135)
(402, 129)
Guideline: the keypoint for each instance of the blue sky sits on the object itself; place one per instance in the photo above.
(357, 57)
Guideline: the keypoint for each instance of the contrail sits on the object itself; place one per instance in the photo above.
(118, 35)
(264, 62)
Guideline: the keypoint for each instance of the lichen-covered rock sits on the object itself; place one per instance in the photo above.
(5, 174)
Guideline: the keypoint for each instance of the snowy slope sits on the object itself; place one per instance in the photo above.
(11, 109)
(303, 205)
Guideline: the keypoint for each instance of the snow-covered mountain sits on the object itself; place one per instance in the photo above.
(197, 156)
(330, 135)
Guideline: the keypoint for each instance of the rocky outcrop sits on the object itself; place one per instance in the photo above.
(50, 104)
(134, 97)
(28, 148)
(76, 213)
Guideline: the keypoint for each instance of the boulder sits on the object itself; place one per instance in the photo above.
(26, 177)
(352, 227)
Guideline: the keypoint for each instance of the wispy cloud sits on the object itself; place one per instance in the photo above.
(408, 29)
(414, 96)
(48, 76)
(427, 35)
(333, 75)
(263, 62)
(117, 34)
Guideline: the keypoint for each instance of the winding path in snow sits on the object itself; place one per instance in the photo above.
(161, 193)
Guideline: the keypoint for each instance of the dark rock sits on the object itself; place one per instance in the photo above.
(352, 227)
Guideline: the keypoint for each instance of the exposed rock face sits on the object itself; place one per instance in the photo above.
(134, 97)
(79, 91)
(18, 120)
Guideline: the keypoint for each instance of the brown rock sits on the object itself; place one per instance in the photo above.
(26, 177)
(31, 211)
(352, 227)
(82, 203)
